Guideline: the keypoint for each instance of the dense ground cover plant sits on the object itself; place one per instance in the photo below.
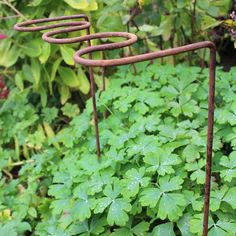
(151, 174)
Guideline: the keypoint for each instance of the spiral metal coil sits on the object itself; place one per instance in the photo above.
(129, 39)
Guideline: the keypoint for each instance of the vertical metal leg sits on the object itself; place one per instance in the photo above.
(92, 90)
(133, 65)
(95, 116)
(103, 82)
(211, 100)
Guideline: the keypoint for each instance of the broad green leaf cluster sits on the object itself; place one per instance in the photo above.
(150, 179)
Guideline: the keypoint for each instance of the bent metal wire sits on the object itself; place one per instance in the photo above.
(129, 39)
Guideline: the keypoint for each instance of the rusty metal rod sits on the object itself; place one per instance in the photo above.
(73, 26)
(129, 40)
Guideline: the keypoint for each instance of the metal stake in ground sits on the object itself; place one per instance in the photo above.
(129, 40)
(160, 54)
(67, 27)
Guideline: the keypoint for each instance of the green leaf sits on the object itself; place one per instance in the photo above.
(198, 174)
(9, 53)
(162, 161)
(67, 54)
(84, 85)
(65, 93)
(196, 224)
(170, 204)
(168, 184)
(86, 5)
(123, 232)
(164, 229)
(36, 72)
(69, 77)
(150, 197)
(141, 228)
(209, 22)
(46, 51)
(49, 114)
(83, 206)
(184, 225)
(117, 212)
(70, 110)
(230, 197)
(8, 229)
(230, 167)
(194, 199)
(117, 206)
(134, 180)
(166, 26)
(110, 21)
(191, 153)
(60, 206)
(32, 212)
(33, 48)
(55, 67)
(19, 81)
(223, 228)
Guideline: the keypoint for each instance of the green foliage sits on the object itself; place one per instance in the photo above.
(150, 178)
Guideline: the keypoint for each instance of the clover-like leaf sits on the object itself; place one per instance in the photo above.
(82, 206)
(184, 225)
(198, 174)
(230, 164)
(164, 229)
(133, 181)
(170, 204)
(194, 200)
(162, 161)
(117, 206)
(222, 228)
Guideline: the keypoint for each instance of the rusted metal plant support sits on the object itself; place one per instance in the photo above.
(70, 26)
(129, 39)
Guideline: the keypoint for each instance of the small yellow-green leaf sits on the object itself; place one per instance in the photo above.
(33, 48)
(43, 96)
(84, 85)
(8, 53)
(92, 5)
(65, 93)
(55, 68)
(45, 53)
(209, 22)
(67, 54)
(87, 5)
(99, 81)
(69, 77)
(17, 148)
(19, 81)
(32, 212)
(35, 68)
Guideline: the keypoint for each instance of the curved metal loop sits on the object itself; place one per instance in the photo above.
(131, 38)
(23, 26)
(133, 59)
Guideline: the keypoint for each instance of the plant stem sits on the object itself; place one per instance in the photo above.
(8, 17)
(8, 174)
(5, 2)
(20, 163)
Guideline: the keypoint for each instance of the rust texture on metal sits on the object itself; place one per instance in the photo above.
(127, 40)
